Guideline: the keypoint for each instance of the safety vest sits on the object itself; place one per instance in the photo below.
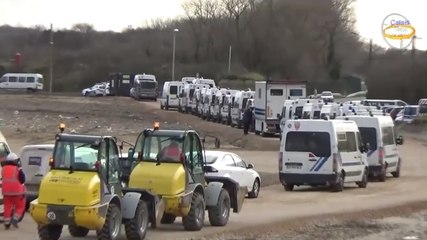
(173, 153)
(10, 183)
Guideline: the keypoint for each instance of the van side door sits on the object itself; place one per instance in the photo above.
(351, 157)
(391, 154)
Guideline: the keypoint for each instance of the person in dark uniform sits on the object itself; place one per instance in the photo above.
(247, 120)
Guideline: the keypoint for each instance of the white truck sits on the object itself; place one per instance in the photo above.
(270, 96)
(239, 105)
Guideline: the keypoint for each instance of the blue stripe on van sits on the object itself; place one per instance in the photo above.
(323, 161)
(318, 162)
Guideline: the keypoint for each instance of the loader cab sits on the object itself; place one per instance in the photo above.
(186, 168)
(84, 153)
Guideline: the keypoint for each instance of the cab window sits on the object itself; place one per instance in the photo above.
(347, 142)
(30, 80)
(103, 153)
(3, 79)
(113, 164)
(197, 155)
(388, 136)
(13, 79)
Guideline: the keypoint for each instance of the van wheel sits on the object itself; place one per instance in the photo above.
(77, 231)
(382, 174)
(257, 132)
(288, 187)
(219, 214)
(364, 182)
(396, 174)
(338, 186)
(50, 232)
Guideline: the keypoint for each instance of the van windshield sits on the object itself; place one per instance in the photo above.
(369, 135)
(423, 109)
(173, 90)
(317, 143)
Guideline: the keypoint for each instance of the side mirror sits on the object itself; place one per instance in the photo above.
(209, 169)
(131, 152)
(399, 140)
(250, 166)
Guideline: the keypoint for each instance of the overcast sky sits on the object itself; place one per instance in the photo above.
(116, 15)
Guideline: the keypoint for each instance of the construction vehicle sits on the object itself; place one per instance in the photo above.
(181, 184)
(83, 190)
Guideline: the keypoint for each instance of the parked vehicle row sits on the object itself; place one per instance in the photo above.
(349, 149)
(154, 188)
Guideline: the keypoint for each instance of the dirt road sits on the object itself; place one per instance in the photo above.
(262, 218)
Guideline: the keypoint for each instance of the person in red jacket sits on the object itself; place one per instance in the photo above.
(13, 190)
(172, 152)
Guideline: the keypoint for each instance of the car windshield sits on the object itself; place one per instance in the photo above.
(317, 143)
(154, 147)
(327, 94)
(211, 159)
(369, 136)
(76, 155)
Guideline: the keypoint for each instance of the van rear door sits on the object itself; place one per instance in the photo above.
(390, 154)
(307, 152)
(35, 164)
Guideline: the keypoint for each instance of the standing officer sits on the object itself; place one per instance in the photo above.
(247, 120)
(13, 190)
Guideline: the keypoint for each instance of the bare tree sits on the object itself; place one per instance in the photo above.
(83, 28)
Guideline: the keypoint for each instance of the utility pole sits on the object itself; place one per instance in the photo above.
(173, 53)
(229, 59)
(370, 51)
(51, 59)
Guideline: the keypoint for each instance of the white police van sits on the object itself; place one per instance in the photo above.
(31, 82)
(379, 137)
(322, 152)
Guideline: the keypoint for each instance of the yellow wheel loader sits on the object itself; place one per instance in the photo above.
(83, 190)
(180, 183)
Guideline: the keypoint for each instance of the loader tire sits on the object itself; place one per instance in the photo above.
(77, 231)
(50, 232)
(219, 214)
(196, 217)
(136, 228)
(112, 225)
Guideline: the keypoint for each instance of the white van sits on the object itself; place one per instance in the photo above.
(31, 82)
(35, 164)
(330, 110)
(239, 105)
(4, 151)
(379, 137)
(170, 95)
(322, 152)
(311, 110)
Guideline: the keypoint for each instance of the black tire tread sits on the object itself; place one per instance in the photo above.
(190, 221)
(50, 232)
(132, 227)
(168, 218)
(77, 231)
(252, 194)
(215, 218)
(104, 233)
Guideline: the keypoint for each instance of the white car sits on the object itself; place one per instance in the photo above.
(227, 164)
(327, 96)
(98, 89)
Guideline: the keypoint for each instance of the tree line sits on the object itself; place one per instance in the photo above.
(309, 40)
